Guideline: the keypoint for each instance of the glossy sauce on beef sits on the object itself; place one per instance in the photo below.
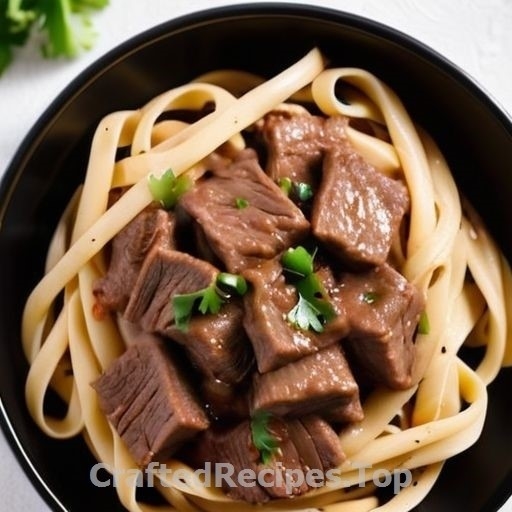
(249, 359)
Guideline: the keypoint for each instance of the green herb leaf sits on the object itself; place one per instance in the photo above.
(285, 184)
(370, 297)
(262, 438)
(298, 261)
(424, 323)
(185, 303)
(206, 300)
(241, 203)
(312, 289)
(65, 25)
(168, 189)
(304, 191)
(232, 282)
(305, 316)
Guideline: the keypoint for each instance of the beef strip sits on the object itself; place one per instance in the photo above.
(147, 399)
(164, 274)
(384, 310)
(276, 342)
(153, 227)
(241, 237)
(296, 144)
(317, 383)
(357, 211)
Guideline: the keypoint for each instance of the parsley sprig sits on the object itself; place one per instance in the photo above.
(65, 25)
(262, 438)
(313, 308)
(167, 189)
(207, 300)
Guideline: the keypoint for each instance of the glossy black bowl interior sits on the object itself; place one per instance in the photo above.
(474, 134)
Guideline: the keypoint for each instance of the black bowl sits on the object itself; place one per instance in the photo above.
(475, 135)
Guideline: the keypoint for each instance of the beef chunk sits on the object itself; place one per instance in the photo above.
(153, 227)
(326, 441)
(357, 211)
(274, 340)
(316, 383)
(242, 236)
(217, 344)
(226, 402)
(296, 144)
(234, 446)
(302, 445)
(165, 273)
(146, 398)
(384, 310)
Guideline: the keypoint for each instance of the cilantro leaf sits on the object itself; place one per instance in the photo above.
(262, 438)
(241, 203)
(305, 316)
(207, 300)
(66, 26)
(304, 191)
(298, 261)
(168, 188)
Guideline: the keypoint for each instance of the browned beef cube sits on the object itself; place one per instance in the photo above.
(164, 274)
(276, 342)
(217, 344)
(357, 211)
(147, 399)
(384, 310)
(317, 383)
(152, 227)
(326, 441)
(296, 144)
(243, 213)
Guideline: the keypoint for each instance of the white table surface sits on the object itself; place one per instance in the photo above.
(474, 34)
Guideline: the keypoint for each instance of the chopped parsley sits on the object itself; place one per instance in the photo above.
(168, 188)
(298, 261)
(370, 297)
(313, 308)
(424, 323)
(207, 300)
(305, 316)
(241, 203)
(304, 191)
(285, 184)
(299, 189)
(262, 438)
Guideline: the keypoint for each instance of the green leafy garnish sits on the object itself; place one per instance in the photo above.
(305, 316)
(241, 203)
(262, 438)
(311, 289)
(313, 308)
(423, 324)
(207, 300)
(65, 25)
(301, 190)
(168, 188)
(285, 184)
(298, 260)
(370, 297)
(304, 191)
(233, 282)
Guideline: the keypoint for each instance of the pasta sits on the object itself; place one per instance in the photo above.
(448, 255)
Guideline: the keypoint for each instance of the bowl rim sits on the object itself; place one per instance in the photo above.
(186, 22)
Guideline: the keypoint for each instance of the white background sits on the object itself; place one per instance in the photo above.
(474, 34)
